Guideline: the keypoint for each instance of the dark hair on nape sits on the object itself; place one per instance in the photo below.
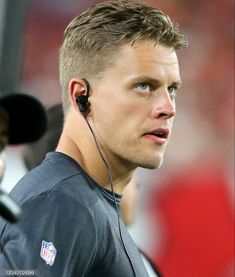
(92, 39)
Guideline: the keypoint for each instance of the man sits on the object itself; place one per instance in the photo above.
(119, 75)
(22, 119)
(34, 153)
(128, 210)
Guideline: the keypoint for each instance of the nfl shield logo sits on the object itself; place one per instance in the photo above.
(48, 252)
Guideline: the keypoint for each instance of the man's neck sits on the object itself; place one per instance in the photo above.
(82, 149)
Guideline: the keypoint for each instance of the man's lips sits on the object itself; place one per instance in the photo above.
(158, 136)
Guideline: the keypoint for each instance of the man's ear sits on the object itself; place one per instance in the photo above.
(79, 91)
(77, 87)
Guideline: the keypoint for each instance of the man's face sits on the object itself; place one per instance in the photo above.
(133, 106)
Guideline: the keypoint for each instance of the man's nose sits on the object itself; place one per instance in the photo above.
(164, 106)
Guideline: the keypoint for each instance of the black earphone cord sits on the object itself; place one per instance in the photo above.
(114, 198)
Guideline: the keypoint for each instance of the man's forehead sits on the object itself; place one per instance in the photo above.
(145, 58)
(145, 51)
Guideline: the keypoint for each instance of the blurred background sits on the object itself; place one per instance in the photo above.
(184, 217)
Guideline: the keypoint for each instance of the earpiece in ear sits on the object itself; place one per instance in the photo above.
(82, 101)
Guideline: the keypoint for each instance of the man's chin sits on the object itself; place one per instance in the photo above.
(152, 164)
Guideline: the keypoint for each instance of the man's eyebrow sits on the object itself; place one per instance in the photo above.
(143, 78)
(177, 84)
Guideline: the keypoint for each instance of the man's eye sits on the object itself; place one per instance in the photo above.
(172, 90)
(144, 87)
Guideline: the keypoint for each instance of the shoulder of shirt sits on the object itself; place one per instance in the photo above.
(55, 175)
